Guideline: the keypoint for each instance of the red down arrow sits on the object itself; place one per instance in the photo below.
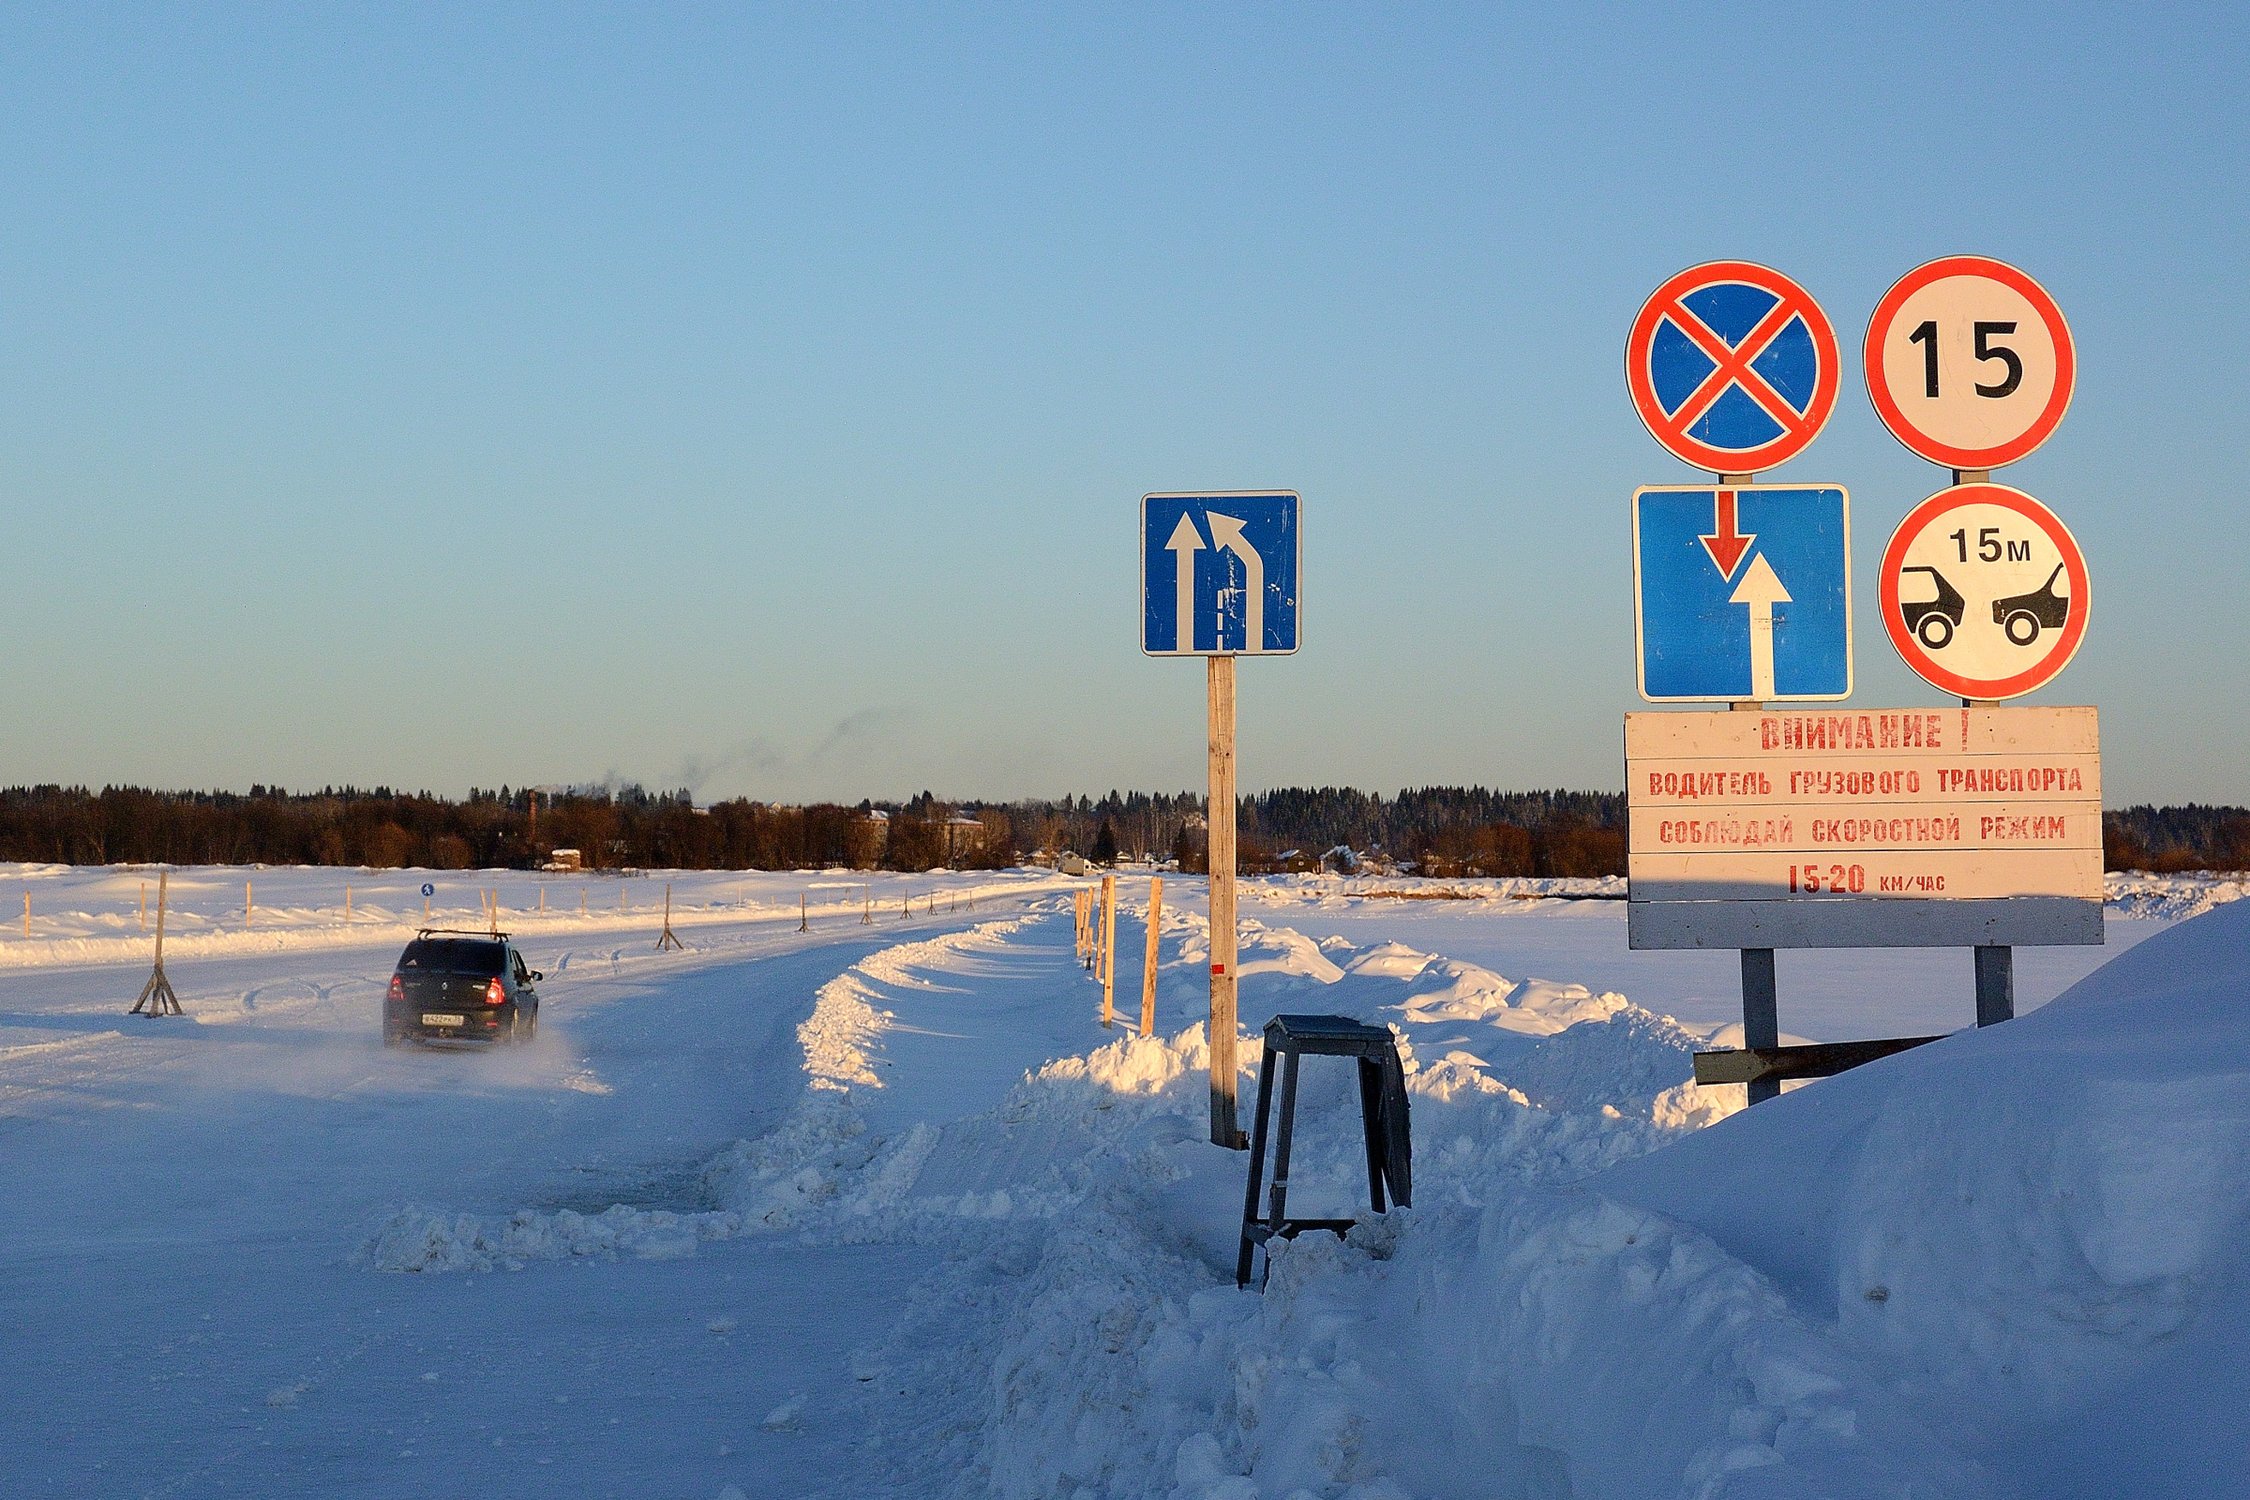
(1726, 548)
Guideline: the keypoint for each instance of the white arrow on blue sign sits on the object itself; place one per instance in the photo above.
(1743, 593)
(1219, 574)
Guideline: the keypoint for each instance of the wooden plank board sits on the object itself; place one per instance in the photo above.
(1893, 876)
(1845, 922)
(1827, 830)
(1863, 780)
(1819, 1060)
(1816, 734)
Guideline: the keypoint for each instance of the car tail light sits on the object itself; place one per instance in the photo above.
(398, 987)
(495, 993)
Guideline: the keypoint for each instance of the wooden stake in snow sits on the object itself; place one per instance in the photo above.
(1109, 950)
(804, 920)
(542, 901)
(347, 903)
(249, 904)
(667, 940)
(867, 917)
(157, 997)
(144, 906)
(27, 914)
(1148, 962)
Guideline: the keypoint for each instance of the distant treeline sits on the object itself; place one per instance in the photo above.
(2193, 837)
(1438, 830)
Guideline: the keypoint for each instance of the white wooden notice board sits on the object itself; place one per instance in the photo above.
(1923, 827)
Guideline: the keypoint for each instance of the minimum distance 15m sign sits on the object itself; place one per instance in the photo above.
(1985, 592)
(1940, 827)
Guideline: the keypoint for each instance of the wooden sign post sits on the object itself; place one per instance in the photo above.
(157, 998)
(1221, 576)
(1109, 949)
(1224, 1130)
(1148, 961)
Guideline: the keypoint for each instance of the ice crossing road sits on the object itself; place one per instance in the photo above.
(185, 1199)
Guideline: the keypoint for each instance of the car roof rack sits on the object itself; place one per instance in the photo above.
(473, 932)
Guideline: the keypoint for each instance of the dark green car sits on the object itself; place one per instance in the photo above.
(461, 986)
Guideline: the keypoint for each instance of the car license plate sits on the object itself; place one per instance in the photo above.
(432, 1018)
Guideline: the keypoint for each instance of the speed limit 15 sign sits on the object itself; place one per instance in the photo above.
(1969, 362)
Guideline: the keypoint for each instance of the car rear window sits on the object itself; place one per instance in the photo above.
(453, 956)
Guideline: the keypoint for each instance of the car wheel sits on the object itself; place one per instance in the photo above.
(1935, 631)
(2022, 628)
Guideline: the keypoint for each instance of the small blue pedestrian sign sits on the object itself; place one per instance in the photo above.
(1219, 574)
(1743, 594)
(428, 889)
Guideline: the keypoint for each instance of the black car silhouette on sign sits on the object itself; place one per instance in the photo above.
(1932, 621)
(2025, 615)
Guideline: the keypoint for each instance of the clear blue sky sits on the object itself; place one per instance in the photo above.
(762, 397)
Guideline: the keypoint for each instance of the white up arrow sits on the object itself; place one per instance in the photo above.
(1226, 533)
(1761, 590)
(1186, 542)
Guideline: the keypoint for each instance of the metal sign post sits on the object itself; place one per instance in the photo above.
(1219, 579)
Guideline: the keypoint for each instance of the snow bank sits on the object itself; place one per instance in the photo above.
(1930, 1277)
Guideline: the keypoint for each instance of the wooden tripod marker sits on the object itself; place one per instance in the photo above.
(804, 918)
(157, 997)
(668, 939)
(1148, 962)
(867, 917)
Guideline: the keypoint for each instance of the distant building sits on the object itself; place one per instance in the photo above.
(564, 861)
(964, 836)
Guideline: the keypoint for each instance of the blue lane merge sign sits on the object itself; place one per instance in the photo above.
(1743, 594)
(1219, 574)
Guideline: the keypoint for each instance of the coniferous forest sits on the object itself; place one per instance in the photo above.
(1449, 831)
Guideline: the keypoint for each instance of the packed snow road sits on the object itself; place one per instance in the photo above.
(186, 1201)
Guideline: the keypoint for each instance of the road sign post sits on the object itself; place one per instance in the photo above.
(1219, 575)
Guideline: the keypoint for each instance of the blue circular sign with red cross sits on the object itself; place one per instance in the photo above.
(1732, 366)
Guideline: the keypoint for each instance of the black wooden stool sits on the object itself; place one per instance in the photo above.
(1382, 1109)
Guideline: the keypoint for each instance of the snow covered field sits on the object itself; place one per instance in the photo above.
(879, 1208)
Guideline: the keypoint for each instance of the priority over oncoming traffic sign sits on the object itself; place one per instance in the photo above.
(1742, 593)
(1732, 367)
